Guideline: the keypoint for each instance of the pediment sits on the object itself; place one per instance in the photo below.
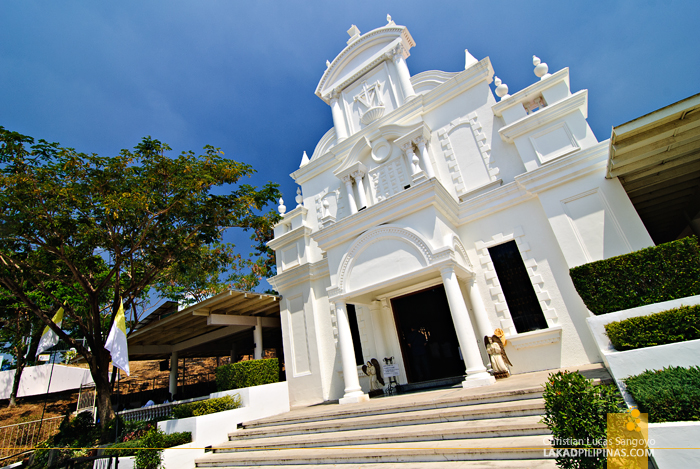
(362, 55)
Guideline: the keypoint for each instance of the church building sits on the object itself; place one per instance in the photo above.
(433, 214)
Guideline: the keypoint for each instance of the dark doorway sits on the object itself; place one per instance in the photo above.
(520, 296)
(427, 335)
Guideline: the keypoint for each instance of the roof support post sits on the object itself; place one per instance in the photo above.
(258, 339)
(172, 385)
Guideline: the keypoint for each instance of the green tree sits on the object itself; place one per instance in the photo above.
(20, 331)
(107, 228)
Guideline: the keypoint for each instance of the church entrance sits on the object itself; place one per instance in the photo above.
(427, 335)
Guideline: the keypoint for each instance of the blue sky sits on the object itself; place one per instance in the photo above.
(99, 76)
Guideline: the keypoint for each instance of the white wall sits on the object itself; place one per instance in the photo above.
(35, 380)
(676, 444)
(258, 402)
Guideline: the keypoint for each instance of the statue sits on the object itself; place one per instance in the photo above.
(376, 380)
(498, 357)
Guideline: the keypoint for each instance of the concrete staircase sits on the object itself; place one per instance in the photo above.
(492, 427)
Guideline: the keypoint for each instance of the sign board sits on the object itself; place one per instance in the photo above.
(391, 371)
(44, 357)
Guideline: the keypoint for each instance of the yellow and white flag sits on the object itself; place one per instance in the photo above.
(49, 338)
(116, 342)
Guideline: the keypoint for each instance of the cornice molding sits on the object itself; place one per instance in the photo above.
(481, 71)
(532, 91)
(565, 169)
(547, 115)
(300, 274)
(414, 199)
(488, 203)
(289, 237)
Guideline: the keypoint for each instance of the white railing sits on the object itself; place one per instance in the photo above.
(156, 411)
(21, 437)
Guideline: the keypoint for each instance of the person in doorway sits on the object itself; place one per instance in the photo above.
(417, 342)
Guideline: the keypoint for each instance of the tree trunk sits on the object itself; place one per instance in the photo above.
(15, 382)
(22, 362)
(100, 374)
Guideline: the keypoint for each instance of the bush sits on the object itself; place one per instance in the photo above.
(208, 406)
(129, 447)
(247, 373)
(150, 458)
(73, 436)
(123, 448)
(666, 327)
(576, 414)
(665, 272)
(668, 395)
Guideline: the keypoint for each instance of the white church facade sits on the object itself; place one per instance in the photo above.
(434, 213)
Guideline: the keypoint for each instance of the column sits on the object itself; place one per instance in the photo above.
(234, 355)
(351, 195)
(483, 325)
(476, 371)
(257, 338)
(353, 391)
(341, 132)
(357, 176)
(172, 384)
(404, 74)
(380, 342)
(425, 158)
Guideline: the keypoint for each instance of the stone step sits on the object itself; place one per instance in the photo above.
(516, 426)
(513, 448)
(396, 404)
(492, 464)
(526, 407)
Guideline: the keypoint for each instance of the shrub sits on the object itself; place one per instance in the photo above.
(665, 272)
(666, 327)
(147, 458)
(576, 414)
(123, 448)
(208, 406)
(73, 435)
(247, 373)
(668, 395)
(130, 447)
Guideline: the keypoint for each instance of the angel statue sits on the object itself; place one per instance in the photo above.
(376, 380)
(498, 357)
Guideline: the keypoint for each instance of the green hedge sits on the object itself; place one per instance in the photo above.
(668, 395)
(665, 272)
(247, 373)
(666, 327)
(208, 406)
(130, 447)
(576, 414)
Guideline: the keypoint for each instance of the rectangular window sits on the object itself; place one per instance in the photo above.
(515, 282)
(355, 332)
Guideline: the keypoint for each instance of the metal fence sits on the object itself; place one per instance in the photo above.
(20, 437)
(86, 400)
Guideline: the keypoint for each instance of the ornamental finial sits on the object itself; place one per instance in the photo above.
(281, 207)
(541, 68)
(501, 88)
(299, 199)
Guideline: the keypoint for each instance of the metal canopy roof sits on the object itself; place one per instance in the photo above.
(657, 159)
(204, 329)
